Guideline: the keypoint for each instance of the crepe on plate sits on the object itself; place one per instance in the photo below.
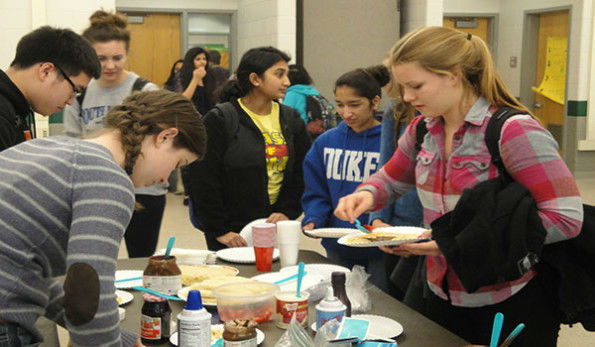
(198, 273)
(379, 236)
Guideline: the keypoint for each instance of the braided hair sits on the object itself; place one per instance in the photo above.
(148, 113)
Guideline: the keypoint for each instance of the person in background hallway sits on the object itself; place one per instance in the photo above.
(450, 78)
(111, 40)
(170, 84)
(255, 149)
(342, 158)
(70, 201)
(51, 66)
(301, 85)
(221, 74)
(197, 81)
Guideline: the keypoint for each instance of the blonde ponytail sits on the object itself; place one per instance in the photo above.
(444, 50)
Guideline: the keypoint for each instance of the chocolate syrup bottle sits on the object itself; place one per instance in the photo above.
(338, 283)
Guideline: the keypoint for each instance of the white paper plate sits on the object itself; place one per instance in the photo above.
(123, 274)
(246, 232)
(324, 270)
(183, 294)
(331, 233)
(241, 255)
(308, 281)
(173, 339)
(413, 231)
(380, 326)
(125, 297)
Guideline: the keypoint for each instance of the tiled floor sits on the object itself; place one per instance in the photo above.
(176, 223)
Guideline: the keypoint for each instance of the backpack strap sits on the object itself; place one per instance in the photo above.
(420, 132)
(139, 84)
(231, 117)
(493, 132)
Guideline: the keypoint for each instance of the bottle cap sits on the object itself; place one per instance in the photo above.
(194, 301)
(330, 302)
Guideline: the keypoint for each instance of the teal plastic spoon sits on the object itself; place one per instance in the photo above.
(300, 275)
(360, 227)
(170, 245)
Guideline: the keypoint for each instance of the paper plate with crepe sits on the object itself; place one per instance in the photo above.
(123, 297)
(389, 236)
(206, 288)
(331, 233)
(198, 273)
(242, 255)
(216, 334)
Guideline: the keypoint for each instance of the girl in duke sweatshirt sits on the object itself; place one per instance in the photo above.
(341, 159)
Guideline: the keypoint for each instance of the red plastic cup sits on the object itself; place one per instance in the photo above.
(263, 240)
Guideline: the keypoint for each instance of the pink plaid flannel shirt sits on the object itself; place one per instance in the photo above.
(530, 155)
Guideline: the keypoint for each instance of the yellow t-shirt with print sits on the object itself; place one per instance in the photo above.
(276, 150)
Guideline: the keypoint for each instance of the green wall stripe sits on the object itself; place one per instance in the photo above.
(577, 108)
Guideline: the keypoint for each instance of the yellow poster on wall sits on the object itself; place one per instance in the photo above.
(553, 84)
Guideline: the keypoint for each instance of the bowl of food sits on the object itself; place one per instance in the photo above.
(246, 300)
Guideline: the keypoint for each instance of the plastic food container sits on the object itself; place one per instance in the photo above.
(246, 300)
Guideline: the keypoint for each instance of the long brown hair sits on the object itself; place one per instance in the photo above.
(106, 26)
(148, 113)
(444, 50)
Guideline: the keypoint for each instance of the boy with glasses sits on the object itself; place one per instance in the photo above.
(51, 67)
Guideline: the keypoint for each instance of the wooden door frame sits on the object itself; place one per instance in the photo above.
(184, 26)
(493, 28)
(529, 61)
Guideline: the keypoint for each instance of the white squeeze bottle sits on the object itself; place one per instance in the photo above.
(194, 323)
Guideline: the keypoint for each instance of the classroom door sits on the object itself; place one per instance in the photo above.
(154, 46)
(482, 29)
(549, 112)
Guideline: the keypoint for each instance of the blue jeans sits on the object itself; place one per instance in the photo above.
(12, 335)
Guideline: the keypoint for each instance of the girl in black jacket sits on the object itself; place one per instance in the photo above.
(255, 149)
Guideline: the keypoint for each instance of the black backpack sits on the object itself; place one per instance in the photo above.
(321, 114)
(139, 84)
(567, 266)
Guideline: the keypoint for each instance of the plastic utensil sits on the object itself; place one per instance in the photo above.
(498, 320)
(360, 227)
(288, 278)
(129, 279)
(170, 245)
(513, 335)
(300, 275)
(154, 292)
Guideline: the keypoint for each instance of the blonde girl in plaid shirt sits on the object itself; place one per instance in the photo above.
(450, 79)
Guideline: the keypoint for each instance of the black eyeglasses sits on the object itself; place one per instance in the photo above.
(76, 91)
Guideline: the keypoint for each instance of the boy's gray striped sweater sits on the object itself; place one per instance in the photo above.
(63, 201)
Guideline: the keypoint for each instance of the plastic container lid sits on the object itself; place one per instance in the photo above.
(194, 301)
